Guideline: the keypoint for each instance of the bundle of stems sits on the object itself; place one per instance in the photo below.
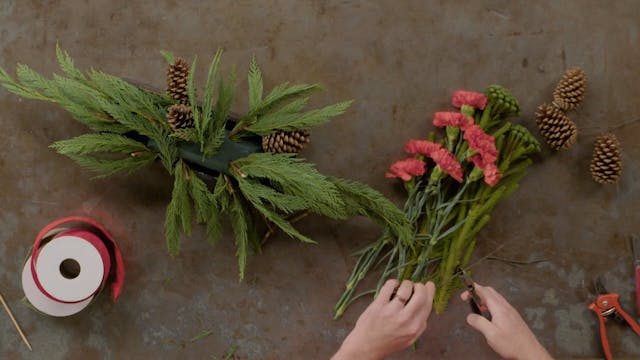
(448, 213)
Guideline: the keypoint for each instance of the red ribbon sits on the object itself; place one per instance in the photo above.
(95, 234)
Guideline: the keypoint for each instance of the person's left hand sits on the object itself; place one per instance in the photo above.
(391, 322)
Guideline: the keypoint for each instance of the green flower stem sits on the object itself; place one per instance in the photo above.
(368, 259)
(441, 221)
(485, 119)
(502, 130)
(521, 166)
(466, 235)
(468, 253)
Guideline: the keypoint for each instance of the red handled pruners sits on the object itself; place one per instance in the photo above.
(476, 303)
(606, 307)
(635, 245)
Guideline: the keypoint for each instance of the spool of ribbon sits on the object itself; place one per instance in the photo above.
(70, 263)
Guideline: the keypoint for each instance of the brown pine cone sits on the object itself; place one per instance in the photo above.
(177, 76)
(569, 92)
(179, 116)
(556, 128)
(606, 163)
(290, 142)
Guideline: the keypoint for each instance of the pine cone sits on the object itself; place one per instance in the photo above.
(569, 92)
(556, 128)
(606, 164)
(177, 75)
(285, 141)
(179, 116)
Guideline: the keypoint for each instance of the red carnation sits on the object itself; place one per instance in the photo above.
(447, 162)
(461, 97)
(481, 142)
(448, 118)
(491, 172)
(421, 147)
(406, 169)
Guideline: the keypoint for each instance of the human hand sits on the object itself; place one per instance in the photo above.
(389, 324)
(506, 333)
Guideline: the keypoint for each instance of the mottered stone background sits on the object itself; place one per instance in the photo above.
(400, 61)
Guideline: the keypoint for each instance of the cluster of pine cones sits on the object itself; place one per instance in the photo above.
(561, 133)
(554, 125)
(180, 116)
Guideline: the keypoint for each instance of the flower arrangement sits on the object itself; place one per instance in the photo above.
(446, 200)
(252, 172)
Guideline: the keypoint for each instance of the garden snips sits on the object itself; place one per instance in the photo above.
(606, 307)
(475, 302)
(635, 246)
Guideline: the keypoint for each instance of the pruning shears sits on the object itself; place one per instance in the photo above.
(606, 307)
(475, 302)
(635, 246)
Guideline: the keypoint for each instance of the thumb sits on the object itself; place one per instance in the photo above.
(481, 324)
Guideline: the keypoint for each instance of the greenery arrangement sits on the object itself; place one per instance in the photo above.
(447, 202)
(132, 127)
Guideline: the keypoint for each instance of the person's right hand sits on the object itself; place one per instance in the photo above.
(506, 333)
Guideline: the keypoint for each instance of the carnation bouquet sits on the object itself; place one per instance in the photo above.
(452, 186)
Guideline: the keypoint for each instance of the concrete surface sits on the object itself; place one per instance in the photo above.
(400, 60)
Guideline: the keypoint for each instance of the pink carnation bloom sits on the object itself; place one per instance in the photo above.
(481, 142)
(461, 97)
(447, 162)
(491, 172)
(448, 118)
(406, 169)
(421, 147)
(477, 161)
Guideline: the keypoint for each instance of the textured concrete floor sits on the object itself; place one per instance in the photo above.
(400, 60)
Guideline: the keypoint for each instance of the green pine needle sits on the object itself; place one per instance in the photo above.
(221, 194)
(13, 86)
(226, 91)
(191, 91)
(107, 167)
(201, 335)
(255, 85)
(201, 196)
(188, 134)
(280, 222)
(258, 193)
(67, 66)
(98, 143)
(207, 104)
(178, 217)
(360, 199)
(289, 121)
(168, 55)
(294, 176)
(284, 93)
(241, 231)
(207, 210)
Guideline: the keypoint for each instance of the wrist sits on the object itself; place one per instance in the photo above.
(537, 353)
(349, 351)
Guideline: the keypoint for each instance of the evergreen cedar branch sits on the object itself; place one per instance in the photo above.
(261, 185)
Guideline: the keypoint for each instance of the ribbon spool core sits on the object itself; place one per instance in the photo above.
(70, 269)
(70, 262)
